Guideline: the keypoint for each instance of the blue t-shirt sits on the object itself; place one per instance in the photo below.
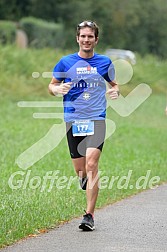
(86, 98)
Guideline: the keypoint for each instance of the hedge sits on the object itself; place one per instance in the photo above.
(42, 33)
(7, 32)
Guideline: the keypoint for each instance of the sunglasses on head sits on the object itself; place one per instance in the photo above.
(87, 23)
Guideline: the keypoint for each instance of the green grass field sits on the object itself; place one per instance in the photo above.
(28, 205)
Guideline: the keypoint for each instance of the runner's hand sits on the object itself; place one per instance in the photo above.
(62, 88)
(113, 93)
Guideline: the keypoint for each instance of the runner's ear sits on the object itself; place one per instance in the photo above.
(96, 40)
(77, 39)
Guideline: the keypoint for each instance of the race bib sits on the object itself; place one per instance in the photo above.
(83, 128)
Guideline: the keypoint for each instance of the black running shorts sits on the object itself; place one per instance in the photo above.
(78, 144)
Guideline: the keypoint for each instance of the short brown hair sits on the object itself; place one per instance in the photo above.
(90, 24)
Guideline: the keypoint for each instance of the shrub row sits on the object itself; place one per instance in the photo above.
(40, 33)
(7, 32)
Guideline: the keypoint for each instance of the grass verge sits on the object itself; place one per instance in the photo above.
(132, 157)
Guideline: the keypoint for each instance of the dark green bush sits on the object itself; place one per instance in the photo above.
(7, 32)
(42, 33)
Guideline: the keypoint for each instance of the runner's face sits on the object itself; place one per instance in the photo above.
(86, 39)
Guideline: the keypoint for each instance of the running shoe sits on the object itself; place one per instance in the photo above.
(87, 223)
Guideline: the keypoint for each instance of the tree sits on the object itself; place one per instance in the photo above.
(137, 25)
(18, 9)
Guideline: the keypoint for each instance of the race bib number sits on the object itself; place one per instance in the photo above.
(83, 128)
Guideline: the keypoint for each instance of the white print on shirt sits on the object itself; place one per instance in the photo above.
(86, 70)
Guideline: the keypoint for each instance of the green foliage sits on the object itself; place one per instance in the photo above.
(42, 33)
(7, 32)
(14, 10)
(150, 33)
(48, 11)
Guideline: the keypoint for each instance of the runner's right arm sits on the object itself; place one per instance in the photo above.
(57, 87)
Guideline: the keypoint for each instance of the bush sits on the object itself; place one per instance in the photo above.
(42, 33)
(7, 32)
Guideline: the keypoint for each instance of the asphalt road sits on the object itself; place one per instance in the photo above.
(135, 224)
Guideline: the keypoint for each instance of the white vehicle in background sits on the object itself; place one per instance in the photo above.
(121, 54)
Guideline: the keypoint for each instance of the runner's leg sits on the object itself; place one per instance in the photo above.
(92, 159)
(79, 166)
